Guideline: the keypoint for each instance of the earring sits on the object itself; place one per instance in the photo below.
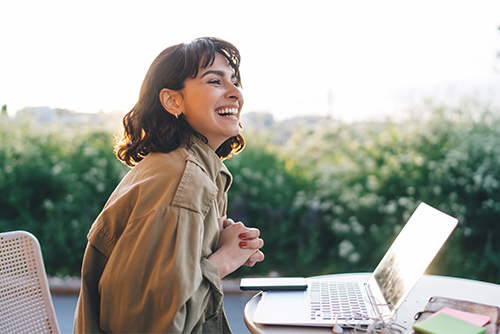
(176, 116)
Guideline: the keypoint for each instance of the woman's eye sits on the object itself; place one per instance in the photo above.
(214, 81)
(236, 84)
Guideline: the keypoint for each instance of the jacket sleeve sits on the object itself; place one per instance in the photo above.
(87, 309)
(156, 280)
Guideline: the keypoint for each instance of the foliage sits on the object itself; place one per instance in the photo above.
(261, 196)
(369, 178)
(54, 182)
(329, 198)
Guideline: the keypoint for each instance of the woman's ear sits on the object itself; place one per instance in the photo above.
(171, 100)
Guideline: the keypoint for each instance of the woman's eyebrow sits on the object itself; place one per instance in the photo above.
(217, 72)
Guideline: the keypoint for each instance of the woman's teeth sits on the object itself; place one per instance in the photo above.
(227, 111)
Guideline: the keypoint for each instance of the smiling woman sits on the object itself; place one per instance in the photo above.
(184, 87)
(157, 252)
(211, 102)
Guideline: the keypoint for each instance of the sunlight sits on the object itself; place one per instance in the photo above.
(352, 61)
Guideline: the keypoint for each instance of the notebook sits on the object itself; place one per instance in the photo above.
(326, 301)
(444, 323)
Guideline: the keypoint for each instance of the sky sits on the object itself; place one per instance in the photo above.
(351, 60)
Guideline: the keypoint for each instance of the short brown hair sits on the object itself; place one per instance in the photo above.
(148, 127)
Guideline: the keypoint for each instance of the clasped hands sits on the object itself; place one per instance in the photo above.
(238, 246)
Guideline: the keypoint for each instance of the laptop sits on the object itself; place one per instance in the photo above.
(327, 302)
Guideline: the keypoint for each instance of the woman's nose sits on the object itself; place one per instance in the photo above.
(234, 93)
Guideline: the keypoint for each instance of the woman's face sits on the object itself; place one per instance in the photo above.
(212, 102)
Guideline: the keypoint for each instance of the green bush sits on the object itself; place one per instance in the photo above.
(330, 198)
(369, 178)
(54, 183)
(262, 196)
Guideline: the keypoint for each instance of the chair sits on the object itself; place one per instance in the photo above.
(25, 299)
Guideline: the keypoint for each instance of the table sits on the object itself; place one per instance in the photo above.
(427, 286)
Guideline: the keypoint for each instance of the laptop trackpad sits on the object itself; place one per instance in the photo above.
(279, 307)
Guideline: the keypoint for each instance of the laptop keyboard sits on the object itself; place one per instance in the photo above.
(329, 299)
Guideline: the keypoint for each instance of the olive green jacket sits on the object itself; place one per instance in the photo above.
(145, 268)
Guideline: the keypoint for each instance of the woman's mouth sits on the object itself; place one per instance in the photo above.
(227, 112)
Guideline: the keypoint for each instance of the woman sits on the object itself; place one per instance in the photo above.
(160, 247)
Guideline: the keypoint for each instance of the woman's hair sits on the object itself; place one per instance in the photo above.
(148, 127)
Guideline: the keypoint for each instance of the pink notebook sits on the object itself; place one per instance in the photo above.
(473, 318)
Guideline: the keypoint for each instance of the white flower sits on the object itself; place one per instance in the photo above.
(345, 248)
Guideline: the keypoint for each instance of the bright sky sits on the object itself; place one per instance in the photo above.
(366, 57)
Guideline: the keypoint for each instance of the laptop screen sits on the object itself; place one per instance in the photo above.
(408, 257)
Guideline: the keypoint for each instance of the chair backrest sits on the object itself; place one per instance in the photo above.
(25, 299)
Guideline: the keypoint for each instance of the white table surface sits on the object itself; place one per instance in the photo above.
(427, 286)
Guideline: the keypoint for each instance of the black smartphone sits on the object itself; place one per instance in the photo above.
(273, 283)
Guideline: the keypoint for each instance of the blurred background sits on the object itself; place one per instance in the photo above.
(354, 114)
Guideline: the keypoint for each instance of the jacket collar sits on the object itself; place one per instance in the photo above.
(207, 159)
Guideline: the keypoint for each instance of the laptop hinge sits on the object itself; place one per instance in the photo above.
(378, 314)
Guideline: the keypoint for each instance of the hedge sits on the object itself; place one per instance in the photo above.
(330, 198)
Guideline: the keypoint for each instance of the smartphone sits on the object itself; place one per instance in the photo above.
(274, 283)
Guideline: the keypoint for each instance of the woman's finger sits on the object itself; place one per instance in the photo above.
(252, 243)
(221, 222)
(228, 222)
(251, 233)
(258, 256)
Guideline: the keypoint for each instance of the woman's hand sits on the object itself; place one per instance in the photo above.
(238, 245)
(249, 239)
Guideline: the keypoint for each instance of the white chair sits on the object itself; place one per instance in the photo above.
(25, 299)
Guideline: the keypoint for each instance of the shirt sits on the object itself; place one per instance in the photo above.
(145, 268)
